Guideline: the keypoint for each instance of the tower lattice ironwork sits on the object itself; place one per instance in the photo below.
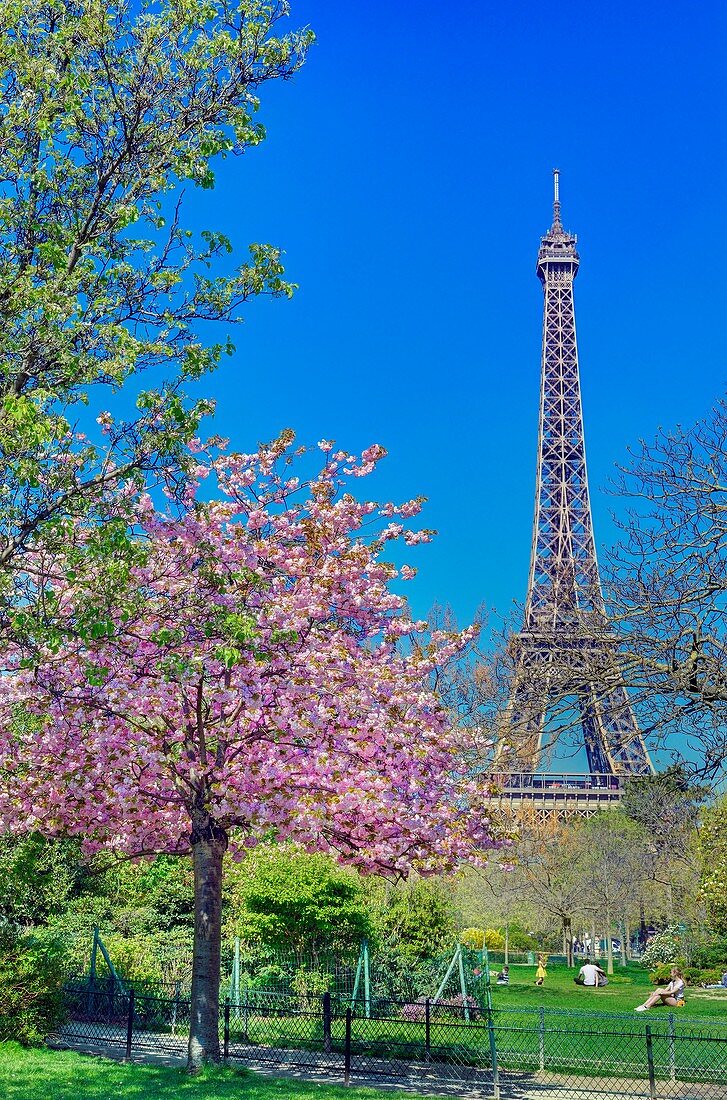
(564, 649)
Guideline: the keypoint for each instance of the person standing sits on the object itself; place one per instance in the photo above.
(541, 973)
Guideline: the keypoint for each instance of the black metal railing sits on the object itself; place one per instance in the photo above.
(506, 1052)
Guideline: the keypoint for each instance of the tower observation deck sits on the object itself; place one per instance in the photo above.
(563, 651)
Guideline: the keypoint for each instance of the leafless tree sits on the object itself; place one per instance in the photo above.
(667, 585)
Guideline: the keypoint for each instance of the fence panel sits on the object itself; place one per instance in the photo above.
(436, 1047)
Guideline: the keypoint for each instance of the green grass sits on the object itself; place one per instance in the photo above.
(594, 1033)
(64, 1075)
(627, 988)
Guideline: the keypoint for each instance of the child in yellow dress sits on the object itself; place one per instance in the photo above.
(541, 973)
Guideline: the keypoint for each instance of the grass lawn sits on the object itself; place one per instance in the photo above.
(64, 1075)
(627, 988)
(559, 1028)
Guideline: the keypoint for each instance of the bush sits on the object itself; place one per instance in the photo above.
(520, 940)
(665, 947)
(414, 1011)
(460, 1002)
(661, 973)
(712, 954)
(309, 986)
(699, 975)
(31, 1002)
(477, 938)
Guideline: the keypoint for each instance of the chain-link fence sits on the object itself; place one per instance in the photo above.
(516, 1054)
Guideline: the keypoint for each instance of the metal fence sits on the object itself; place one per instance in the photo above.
(512, 1054)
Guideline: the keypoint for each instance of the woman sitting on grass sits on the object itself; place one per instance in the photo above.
(672, 994)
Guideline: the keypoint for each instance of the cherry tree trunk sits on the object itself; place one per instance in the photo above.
(209, 843)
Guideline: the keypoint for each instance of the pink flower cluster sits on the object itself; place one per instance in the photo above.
(256, 669)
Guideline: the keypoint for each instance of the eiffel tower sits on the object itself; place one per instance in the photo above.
(564, 648)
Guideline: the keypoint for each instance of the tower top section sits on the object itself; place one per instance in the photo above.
(557, 248)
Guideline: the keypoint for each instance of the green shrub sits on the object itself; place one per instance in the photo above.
(700, 975)
(666, 947)
(712, 954)
(31, 1002)
(520, 940)
(661, 974)
(474, 938)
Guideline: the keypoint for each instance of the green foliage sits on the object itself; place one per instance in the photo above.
(106, 113)
(309, 986)
(661, 973)
(287, 899)
(37, 877)
(520, 940)
(30, 987)
(494, 939)
(474, 938)
(477, 938)
(145, 912)
(712, 953)
(713, 852)
(418, 919)
(701, 975)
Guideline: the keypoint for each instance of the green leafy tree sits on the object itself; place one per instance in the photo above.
(418, 919)
(38, 878)
(294, 901)
(107, 114)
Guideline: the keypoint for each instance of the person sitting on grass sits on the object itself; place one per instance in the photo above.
(590, 974)
(504, 976)
(672, 994)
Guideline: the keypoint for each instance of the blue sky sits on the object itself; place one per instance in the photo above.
(407, 175)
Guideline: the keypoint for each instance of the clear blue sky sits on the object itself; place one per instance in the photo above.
(407, 175)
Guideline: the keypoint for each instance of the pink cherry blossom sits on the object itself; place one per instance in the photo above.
(254, 676)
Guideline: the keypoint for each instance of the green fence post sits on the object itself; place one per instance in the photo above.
(463, 985)
(650, 1063)
(226, 1040)
(91, 999)
(357, 979)
(541, 1039)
